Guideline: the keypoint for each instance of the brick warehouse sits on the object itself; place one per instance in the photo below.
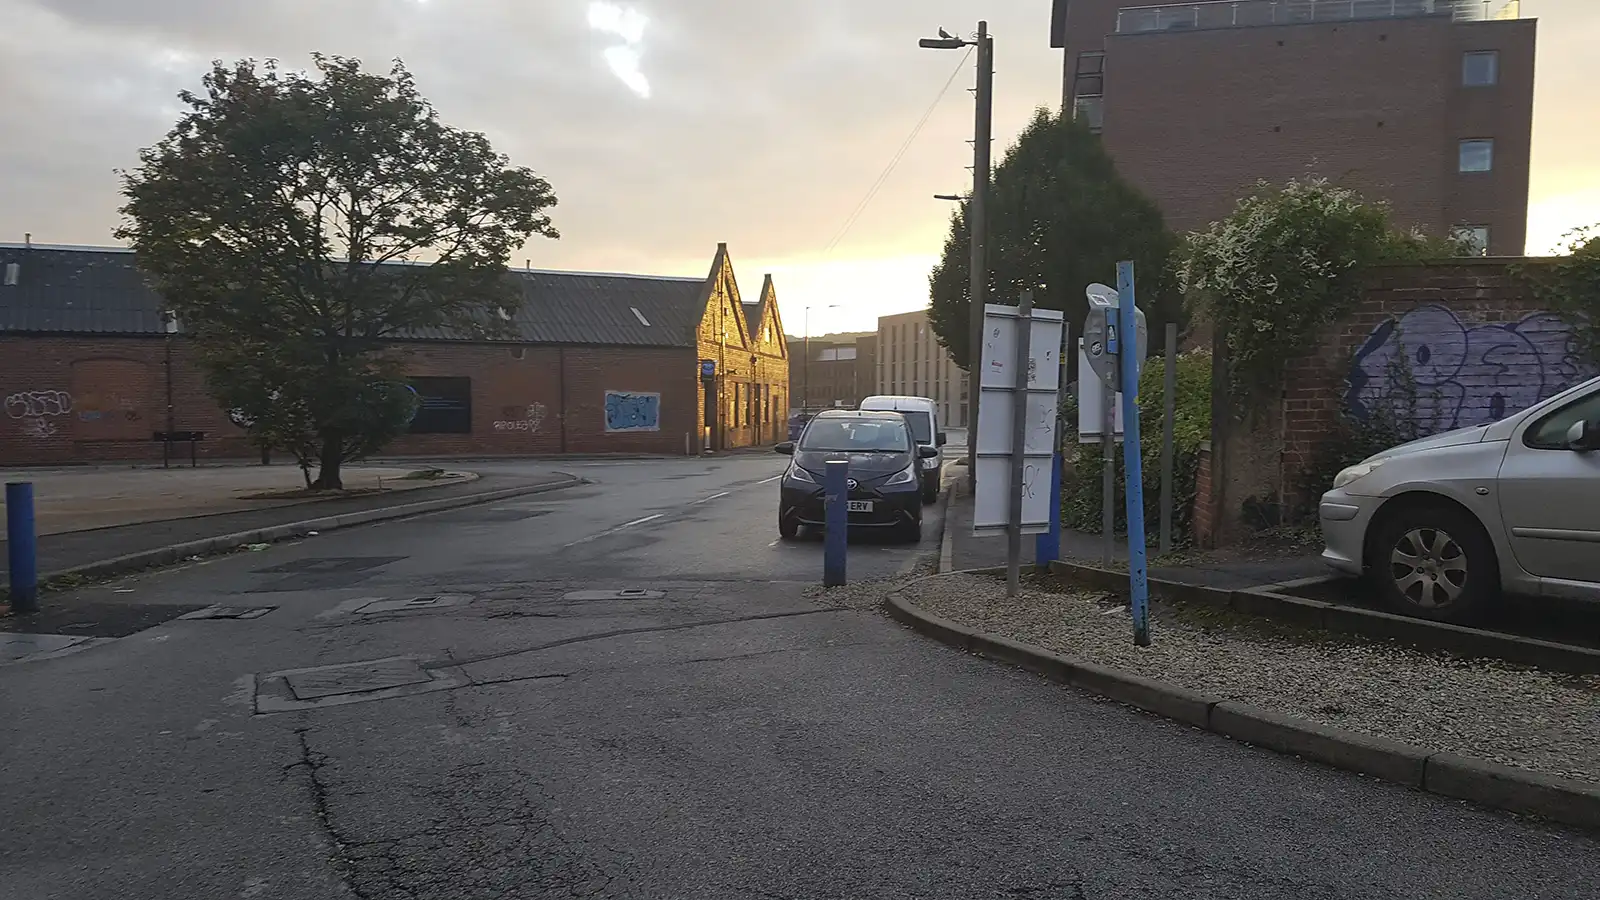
(598, 364)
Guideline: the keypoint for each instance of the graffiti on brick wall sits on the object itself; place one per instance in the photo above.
(1460, 374)
(109, 405)
(525, 419)
(36, 404)
(628, 411)
(36, 412)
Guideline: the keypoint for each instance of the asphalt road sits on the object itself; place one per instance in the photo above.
(730, 735)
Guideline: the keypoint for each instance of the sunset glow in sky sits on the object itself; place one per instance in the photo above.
(665, 126)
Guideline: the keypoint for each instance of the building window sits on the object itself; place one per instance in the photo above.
(1476, 237)
(1480, 68)
(1088, 90)
(444, 406)
(1477, 155)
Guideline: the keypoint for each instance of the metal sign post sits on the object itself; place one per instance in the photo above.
(1019, 439)
(1132, 460)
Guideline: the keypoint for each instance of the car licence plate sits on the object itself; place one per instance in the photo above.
(860, 506)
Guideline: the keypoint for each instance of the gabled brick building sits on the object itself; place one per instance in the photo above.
(598, 363)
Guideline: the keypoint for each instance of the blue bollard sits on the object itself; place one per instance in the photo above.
(836, 498)
(22, 548)
(1047, 548)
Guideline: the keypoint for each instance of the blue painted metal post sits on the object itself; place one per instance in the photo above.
(1132, 457)
(836, 500)
(21, 548)
(1048, 546)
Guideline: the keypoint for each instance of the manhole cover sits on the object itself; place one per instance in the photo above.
(614, 595)
(415, 603)
(229, 612)
(354, 678)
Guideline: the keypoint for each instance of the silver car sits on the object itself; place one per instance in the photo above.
(1444, 525)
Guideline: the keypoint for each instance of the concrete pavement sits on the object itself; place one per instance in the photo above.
(723, 735)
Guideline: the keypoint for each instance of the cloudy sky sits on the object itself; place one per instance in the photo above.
(665, 125)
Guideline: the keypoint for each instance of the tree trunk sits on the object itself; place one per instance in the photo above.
(332, 456)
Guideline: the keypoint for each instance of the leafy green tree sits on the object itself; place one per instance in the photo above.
(1285, 263)
(278, 216)
(1060, 219)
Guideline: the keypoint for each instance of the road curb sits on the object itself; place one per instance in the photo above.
(1269, 602)
(947, 543)
(164, 556)
(1444, 774)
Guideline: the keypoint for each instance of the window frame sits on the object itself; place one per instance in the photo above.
(1097, 57)
(1535, 425)
(1457, 232)
(1461, 155)
(1467, 58)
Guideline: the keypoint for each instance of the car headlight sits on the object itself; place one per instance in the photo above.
(903, 476)
(1355, 473)
(799, 474)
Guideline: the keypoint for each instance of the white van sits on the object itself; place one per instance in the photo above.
(922, 414)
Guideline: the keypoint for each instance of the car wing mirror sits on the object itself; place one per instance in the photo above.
(943, 439)
(786, 448)
(927, 452)
(1584, 436)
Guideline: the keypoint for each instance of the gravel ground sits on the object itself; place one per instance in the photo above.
(1546, 722)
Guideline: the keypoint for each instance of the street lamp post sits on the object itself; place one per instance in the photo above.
(805, 385)
(977, 220)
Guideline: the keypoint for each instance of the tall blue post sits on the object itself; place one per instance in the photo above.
(1132, 456)
(1048, 546)
(22, 548)
(836, 500)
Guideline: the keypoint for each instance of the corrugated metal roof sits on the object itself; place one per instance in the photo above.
(99, 291)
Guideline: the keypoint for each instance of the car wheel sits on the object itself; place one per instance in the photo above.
(1434, 562)
(912, 532)
(788, 528)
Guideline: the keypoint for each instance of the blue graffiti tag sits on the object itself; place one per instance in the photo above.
(627, 411)
(1463, 374)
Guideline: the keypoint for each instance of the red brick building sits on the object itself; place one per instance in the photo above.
(1425, 103)
(599, 364)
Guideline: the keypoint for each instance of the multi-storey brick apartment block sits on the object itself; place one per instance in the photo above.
(832, 370)
(92, 369)
(1425, 103)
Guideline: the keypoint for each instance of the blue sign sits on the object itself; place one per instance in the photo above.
(708, 368)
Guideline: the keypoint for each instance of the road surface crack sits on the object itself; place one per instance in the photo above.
(313, 762)
(624, 632)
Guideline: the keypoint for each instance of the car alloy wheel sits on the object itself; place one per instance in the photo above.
(1428, 568)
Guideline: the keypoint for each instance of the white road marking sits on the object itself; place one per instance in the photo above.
(610, 531)
(710, 498)
(770, 480)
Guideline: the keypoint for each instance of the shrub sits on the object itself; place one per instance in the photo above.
(1081, 479)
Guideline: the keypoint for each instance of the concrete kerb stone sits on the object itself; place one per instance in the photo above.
(174, 553)
(1450, 775)
(1270, 603)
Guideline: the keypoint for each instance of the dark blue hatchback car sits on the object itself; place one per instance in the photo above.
(884, 462)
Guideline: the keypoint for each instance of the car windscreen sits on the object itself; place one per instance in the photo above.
(856, 436)
(921, 425)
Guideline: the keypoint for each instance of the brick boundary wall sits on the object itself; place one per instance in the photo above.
(74, 399)
(1467, 334)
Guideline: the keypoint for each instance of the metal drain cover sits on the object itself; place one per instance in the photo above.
(229, 612)
(614, 595)
(354, 678)
(415, 603)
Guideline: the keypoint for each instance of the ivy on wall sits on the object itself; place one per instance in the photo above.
(1570, 287)
(1285, 263)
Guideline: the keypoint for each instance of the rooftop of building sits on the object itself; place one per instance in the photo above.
(56, 289)
(1215, 14)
